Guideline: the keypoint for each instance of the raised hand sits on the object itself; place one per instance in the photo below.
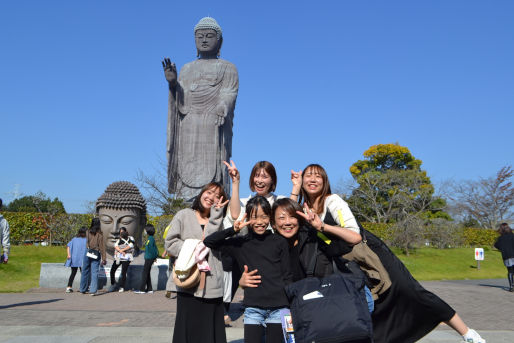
(311, 217)
(220, 203)
(296, 179)
(249, 279)
(239, 224)
(170, 71)
(232, 171)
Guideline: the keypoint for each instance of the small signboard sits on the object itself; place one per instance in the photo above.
(479, 254)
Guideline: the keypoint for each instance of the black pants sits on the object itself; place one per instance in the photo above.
(114, 267)
(123, 277)
(72, 275)
(146, 280)
(253, 333)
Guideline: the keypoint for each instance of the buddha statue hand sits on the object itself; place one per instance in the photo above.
(170, 71)
(221, 111)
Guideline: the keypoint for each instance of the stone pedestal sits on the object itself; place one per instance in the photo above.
(56, 275)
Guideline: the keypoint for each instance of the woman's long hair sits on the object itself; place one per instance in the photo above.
(504, 229)
(325, 191)
(95, 226)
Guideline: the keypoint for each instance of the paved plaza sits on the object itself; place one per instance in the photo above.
(50, 315)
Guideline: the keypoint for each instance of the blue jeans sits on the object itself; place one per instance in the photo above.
(260, 316)
(89, 274)
(369, 299)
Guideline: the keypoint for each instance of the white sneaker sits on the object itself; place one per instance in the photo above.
(472, 337)
(149, 292)
(139, 292)
(69, 290)
(121, 290)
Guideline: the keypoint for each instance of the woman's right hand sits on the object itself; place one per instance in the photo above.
(232, 171)
(249, 279)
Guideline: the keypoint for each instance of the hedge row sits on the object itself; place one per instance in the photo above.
(32, 227)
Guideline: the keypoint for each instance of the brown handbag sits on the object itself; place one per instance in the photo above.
(370, 263)
(191, 281)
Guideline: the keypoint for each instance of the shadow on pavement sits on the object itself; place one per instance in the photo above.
(28, 303)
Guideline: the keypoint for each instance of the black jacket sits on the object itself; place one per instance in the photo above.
(505, 244)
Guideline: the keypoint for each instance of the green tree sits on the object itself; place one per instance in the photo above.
(38, 202)
(391, 187)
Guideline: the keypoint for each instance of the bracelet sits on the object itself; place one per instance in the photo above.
(322, 228)
(294, 194)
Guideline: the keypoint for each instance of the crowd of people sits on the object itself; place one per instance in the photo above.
(283, 235)
(263, 244)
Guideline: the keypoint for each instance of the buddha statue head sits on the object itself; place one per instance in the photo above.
(208, 38)
(121, 205)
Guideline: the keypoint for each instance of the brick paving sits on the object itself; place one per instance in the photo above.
(55, 316)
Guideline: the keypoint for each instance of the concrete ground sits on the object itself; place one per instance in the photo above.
(49, 315)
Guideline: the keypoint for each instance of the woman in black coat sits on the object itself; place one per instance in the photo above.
(505, 244)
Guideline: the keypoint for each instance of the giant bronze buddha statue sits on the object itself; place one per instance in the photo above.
(200, 115)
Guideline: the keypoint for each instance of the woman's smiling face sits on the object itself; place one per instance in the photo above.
(312, 182)
(210, 197)
(262, 182)
(286, 223)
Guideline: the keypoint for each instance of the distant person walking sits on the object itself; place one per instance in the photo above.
(505, 244)
(4, 237)
(151, 254)
(95, 254)
(76, 250)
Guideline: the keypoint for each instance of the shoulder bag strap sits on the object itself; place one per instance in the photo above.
(312, 263)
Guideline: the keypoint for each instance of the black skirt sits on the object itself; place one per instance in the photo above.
(407, 311)
(199, 320)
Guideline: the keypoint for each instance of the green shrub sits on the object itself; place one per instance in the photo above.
(479, 237)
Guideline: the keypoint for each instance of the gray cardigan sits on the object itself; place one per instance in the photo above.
(185, 225)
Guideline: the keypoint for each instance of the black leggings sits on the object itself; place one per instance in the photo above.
(253, 333)
(123, 277)
(72, 275)
(146, 280)
(510, 269)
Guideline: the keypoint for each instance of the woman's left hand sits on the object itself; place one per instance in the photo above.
(311, 217)
(220, 203)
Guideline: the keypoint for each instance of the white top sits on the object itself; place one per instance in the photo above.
(341, 212)
(228, 221)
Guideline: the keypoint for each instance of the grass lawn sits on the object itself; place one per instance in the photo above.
(22, 271)
(453, 264)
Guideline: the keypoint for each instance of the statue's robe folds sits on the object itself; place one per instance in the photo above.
(196, 144)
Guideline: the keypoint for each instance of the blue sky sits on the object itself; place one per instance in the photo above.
(83, 99)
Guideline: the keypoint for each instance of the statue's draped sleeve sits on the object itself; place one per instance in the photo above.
(172, 134)
(228, 95)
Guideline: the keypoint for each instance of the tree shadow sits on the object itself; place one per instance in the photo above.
(28, 303)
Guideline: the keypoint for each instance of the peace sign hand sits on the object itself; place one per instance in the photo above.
(311, 217)
(239, 224)
(232, 171)
(220, 203)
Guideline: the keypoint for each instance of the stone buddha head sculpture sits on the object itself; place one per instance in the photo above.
(208, 38)
(121, 205)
